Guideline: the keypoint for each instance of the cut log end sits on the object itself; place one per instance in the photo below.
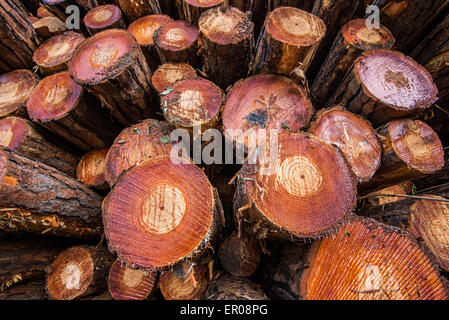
(48, 27)
(176, 36)
(102, 17)
(103, 56)
(53, 54)
(359, 35)
(192, 102)
(143, 29)
(90, 169)
(169, 73)
(239, 256)
(366, 260)
(203, 3)
(354, 136)
(53, 97)
(159, 213)
(13, 131)
(228, 287)
(15, 88)
(130, 284)
(225, 25)
(416, 144)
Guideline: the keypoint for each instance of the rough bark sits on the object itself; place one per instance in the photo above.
(33, 290)
(228, 287)
(170, 73)
(191, 10)
(90, 169)
(104, 17)
(137, 9)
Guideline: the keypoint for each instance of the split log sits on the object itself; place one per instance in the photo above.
(77, 272)
(26, 138)
(130, 284)
(90, 169)
(410, 149)
(177, 41)
(366, 260)
(49, 27)
(265, 102)
(62, 106)
(33, 290)
(104, 17)
(187, 281)
(385, 85)
(354, 38)
(143, 30)
(226, 42)
(134, 10)
(53, 54)
(191, 10)
(15, 89)
(147, 139)
(169, 73)
(354, 136)
(160, 213)
(288, 42)
(192, 102)
(239, 256)
(18, 38)
(311, 192)
(112, 66)
(228, 287)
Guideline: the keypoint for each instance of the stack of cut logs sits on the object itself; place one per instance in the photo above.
(93, 206)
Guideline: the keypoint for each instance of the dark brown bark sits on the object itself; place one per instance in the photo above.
(33, 290)
(228, 287)
(134, 9)
(18, 38)
(191, 10)
(62, 106)
(226, 42)
(104, 17)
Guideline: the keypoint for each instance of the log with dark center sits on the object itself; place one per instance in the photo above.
(18, 38)
(104, 17)
(354, 136)
(354, 38)
(160, 213)
(192, 102)
(191, 10)
(288, 42)
(77, 272)
(265, 102)
(15, 89)
(48, 27)
(143, 30)
(125, 283)
(53, 55)
(385, 85)
(90, 169)
(228, 287)
(62, 106)
(304, 192)
(147, 139)
(367, 260)
(134, 10)
(226, 41)
(169, 73)
(112, 66)
(410, 149)
(177, 41)
(28, 139)
(239, 256)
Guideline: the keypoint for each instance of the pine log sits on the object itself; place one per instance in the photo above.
(177, 41)
(112, 66)
(90, 169)
(143, 30)
(410, 149)
(311, 192)
(191, 10)
(239, 256)
(258, 9)
(367, 260)
(169, 73)
(267, 102)
(192, 102)
(15, 89)
(33, 290)
(384, 85)
(354, 136)
(228, 287)
(288, 42)
(226, 42)
(49, 27)
(137, 9)
(53, 54)
(28, 139)
(104, 17)
(90, 4)
(62, 106)
(18, 38)
(144, 140)
(77, 272)
(160, 213)
(58, 8)
(130, 284)
(354, 38)
(43, 12)
(389, 195)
